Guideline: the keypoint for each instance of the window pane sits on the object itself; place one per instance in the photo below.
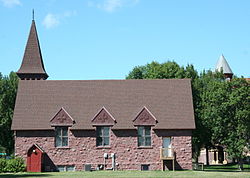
(61, 137)
(106, 131)
(99, 131)
(58, 141)
(106, 141)
(147, 130)
(58, 131)
(144, 167)
(65, 141)
(148, 141)
(65, 131)
(61, 168)
(140, 141)
(98, 141)
(140, 131)
(70, 168)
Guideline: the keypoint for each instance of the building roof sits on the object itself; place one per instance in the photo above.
(223, 65)
(32, 60)
(169, 100)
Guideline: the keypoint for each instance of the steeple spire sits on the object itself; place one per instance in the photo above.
(222, 65)
(33, 14)
(32, 67)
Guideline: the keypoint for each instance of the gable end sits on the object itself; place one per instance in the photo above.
(62, 118)
(103, 118)
(145, 118)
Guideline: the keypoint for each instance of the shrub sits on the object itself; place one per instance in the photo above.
(15, 165)
(3, 164)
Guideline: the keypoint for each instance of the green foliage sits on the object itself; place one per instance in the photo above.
(2, 149)
(238, 118)
(3, 164)
(15, 165)
(155, 70)
(8, 89)
(12, 165)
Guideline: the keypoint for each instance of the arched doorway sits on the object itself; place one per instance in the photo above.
(34, 159)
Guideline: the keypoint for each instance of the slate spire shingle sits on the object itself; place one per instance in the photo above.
(32, 67)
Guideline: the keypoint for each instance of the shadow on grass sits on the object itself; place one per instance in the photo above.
(10, 175)
(226, 168)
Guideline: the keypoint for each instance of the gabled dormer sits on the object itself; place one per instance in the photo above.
(103, 118)
(32, 67)
(144, 118)
(62, 118)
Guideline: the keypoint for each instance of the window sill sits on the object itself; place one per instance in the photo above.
(63, 147)
(144, 147)
(103, 147)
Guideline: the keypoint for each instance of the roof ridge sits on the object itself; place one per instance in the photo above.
(123, 80)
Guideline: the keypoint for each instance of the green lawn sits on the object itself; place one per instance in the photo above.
(229, 167)
(127, 174)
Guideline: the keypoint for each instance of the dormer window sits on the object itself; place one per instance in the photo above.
(61, 138)
(144, 120)
(144, 136)
(102, 136)
(103, 121)
(62, 121)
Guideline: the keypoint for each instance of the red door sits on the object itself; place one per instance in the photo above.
(34, 160)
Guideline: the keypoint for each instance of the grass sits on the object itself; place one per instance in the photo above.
(132, 174)
(229, 168)
(216, 171)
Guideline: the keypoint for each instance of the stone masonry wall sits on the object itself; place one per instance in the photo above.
(82, 148)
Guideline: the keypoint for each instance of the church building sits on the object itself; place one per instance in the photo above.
(67, 125)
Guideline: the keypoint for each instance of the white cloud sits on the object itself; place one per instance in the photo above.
(53, 20)
(11, 3)
(112, 5)
(50, 21)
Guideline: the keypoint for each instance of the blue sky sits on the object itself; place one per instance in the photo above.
(105, 39)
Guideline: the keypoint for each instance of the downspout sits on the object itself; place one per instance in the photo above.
(113, 161)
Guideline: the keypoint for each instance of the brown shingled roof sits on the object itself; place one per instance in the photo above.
(170, 100)
(32, 60)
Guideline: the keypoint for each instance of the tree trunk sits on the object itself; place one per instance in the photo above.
(207, 156)
(197, 153)
(240, 163)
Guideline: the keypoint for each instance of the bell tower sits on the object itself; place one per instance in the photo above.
(32, 67)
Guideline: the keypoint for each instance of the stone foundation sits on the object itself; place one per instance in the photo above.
(82, 149)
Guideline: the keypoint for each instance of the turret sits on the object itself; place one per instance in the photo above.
(222, 65)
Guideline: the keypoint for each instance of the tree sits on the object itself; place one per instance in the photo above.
(8, 89)
(225, 113)
(237, 124)
(207, 97)
(166, 70)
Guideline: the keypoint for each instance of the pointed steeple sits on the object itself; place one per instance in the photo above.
(32, 67)
(222, 65)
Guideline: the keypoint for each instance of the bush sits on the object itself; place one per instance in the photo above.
(15, 165)
(3, 164)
